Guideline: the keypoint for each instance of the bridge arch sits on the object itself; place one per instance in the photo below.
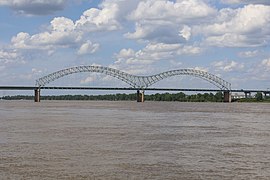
(135, 81)
(213, 79)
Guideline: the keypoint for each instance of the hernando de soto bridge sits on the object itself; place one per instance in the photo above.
(138, 83)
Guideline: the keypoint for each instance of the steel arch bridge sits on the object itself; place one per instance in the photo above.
(139, 82)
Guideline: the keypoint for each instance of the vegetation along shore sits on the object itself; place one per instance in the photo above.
(181, 97)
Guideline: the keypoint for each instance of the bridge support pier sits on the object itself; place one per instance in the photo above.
(247, 94)
(266, 95)
(140, 96)
(37, 95)
(227, 96)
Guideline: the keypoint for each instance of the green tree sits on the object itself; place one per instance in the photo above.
(219, 97)
(259, 96)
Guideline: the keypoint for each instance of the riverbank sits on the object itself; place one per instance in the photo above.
(179, 97)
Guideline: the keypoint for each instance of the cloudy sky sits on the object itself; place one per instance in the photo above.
(228, 38)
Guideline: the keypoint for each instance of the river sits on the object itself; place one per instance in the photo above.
(129, 140)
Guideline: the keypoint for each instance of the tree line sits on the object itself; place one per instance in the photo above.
(206, 97)
(182, 97)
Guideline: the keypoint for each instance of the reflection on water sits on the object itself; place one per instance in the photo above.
(129, 140)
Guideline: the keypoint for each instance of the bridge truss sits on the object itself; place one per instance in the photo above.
(139, 82)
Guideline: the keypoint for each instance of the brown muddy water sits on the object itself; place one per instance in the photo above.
(129, 140)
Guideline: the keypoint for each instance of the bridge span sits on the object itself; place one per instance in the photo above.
(139, 90)
(138, 83)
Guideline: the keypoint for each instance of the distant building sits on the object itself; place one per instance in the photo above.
(238, 96)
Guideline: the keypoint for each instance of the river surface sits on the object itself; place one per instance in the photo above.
(129, 140)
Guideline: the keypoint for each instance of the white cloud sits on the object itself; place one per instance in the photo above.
(267, 2)
(189, 50)
(227, 66)
(62, 33)
(142, 61)
(166, 21)
(185, 32)
(88, 80)
(36, 71)
(5, 55)
(243, 27)
(266, 63)
(155, 32)
(62, 24)
(248, 54)
(260, 71)
(125, 54)
(158, 23)
(88, 48)
(135, 69)
(104, 19)
(175, 63)
(201, 68)
(155, 52)
(164, 10)
(34, 7)
(9, 57)
(171, 22)
(233, 40)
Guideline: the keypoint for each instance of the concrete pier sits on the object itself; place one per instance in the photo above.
(140, 96)
(266, 95)
(247, 94)
(227, 96)
(37, 95)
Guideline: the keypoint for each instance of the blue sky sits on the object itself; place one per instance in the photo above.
(228, 38)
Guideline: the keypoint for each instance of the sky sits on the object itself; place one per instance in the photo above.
(228, 38)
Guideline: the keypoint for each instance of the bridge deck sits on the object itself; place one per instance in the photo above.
(130, 88)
